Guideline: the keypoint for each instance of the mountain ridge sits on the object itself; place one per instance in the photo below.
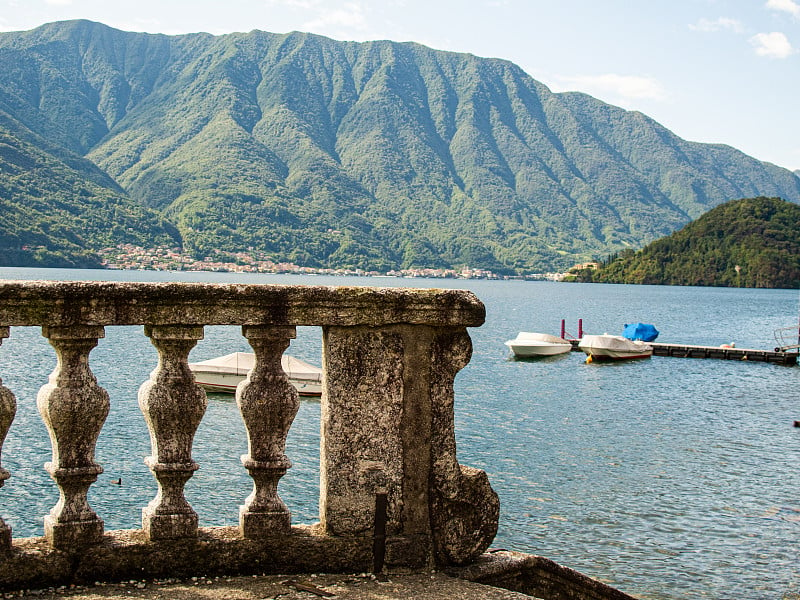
(376, 155)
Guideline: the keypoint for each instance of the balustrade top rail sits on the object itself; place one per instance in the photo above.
(57, 303)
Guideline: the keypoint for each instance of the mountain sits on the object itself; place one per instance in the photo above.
(375, 155)
(754, 242)
(57, 209)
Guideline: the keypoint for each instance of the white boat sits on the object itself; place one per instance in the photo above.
(613, 347)
(527, 345)
(224, 373)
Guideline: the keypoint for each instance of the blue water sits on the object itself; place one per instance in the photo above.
(668, 478)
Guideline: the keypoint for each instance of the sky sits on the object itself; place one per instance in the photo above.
(715, 71)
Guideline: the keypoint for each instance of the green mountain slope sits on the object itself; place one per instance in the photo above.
(753, 242)
(378, 155)
(57, 209)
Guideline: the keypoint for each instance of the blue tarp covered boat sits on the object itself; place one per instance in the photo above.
(640, 331)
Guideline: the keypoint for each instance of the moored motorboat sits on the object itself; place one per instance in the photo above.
(224, 373)
(613, 347)
(529, 345)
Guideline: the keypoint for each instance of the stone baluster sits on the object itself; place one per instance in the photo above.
(268, 403)
(8, 408)
(173, 406)
(74, 409)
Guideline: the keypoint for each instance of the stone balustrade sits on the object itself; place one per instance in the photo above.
(390, 357)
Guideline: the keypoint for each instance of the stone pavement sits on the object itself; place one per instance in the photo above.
(428, 586)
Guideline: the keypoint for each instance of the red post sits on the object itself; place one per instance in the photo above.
(563, 329)
(580, 328)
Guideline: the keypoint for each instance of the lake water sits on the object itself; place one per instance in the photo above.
(667, 478)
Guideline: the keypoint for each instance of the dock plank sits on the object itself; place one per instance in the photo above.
(724, 353)
(717, 352)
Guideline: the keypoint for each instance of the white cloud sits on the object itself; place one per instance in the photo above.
(300, 4)
(350, 15)
(721, 23)
(789, 6)
(627, 87)
(341, 19)
(772, 45)
(58, 2)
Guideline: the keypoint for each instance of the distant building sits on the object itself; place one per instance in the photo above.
(584, 266)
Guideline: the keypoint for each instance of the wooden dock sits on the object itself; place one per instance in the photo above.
(725, 353)
(719, 352)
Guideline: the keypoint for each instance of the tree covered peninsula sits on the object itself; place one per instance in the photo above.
(754, 242)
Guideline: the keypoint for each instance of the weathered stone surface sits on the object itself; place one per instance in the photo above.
(268, 404)
(173, 406)
(74, 409)
(387, 425)
(135, 303)
(536, 576)
(499, 575)
(361, 420)
(465, 509)
(128, 554)
(390, 356)
(8, 409)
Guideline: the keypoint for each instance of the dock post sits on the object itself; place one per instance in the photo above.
(580, 328)
(563, 329)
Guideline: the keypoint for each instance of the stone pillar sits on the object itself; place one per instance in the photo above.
(268, 403)
(388, 426)
(361, 415)
(74, 409)
(8, 408)
(363, 448)
(173, 406)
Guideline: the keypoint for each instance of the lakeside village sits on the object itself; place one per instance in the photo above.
(130, 257)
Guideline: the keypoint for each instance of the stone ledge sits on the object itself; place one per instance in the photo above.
(536, 576)
(127, 554)
(67, 303)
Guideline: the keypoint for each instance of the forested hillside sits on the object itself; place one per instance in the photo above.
(57, 209)
(753, 242)
(376, 155)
